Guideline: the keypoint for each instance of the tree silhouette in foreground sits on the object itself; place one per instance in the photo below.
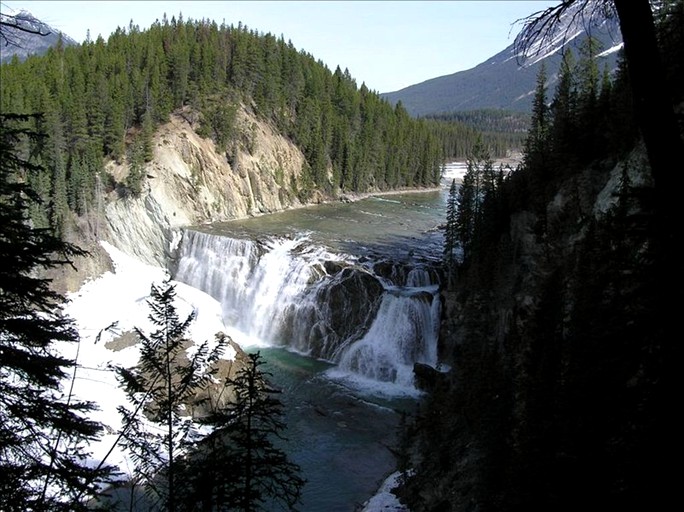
(162, 389)
(652, 98)
(239, 466)
(43, 430)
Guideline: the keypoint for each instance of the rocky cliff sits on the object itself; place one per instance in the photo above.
(189, 182)
(557, 393)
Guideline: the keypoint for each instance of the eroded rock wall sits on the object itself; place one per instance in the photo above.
(189, 182)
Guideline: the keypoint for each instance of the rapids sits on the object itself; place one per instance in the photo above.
(341, 299)
(355, 285)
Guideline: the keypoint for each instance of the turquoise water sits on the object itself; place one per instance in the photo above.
(342, 435)
(342, 440)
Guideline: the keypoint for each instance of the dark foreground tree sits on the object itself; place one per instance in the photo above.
(655, 114)
(240, 465)
(162, 390)
(43, 431)
(479, 184)
(652, 97)
(537, 135)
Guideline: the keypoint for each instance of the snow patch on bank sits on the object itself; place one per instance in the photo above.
(384, 500)
(105, 308)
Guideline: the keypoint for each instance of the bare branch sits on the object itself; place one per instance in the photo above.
(544, 27)
(13, 26)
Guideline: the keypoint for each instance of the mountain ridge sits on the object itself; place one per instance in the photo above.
(40, 38)
(507, 80)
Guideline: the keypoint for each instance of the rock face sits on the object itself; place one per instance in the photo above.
(427, 377)
(556, 354)
(337, 314)
(188, 183)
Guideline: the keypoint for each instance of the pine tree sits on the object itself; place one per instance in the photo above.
(563, 113)
(587, 97)
(240, 467)
(535, 144)
(451, 229)
(136, 172)
(43, 434)
(479, 186)
(147, 136)
(466, 212)
(162, 388)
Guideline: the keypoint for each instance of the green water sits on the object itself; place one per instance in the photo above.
(341, 440)
(402, 225)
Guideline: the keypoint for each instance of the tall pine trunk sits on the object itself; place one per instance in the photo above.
(655, 116)
(652, 99)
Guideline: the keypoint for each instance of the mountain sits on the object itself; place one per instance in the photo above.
(506, 81)
(21, 43)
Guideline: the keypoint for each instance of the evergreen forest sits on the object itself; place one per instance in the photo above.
(499, 130)
(562, 277)
(103, 100)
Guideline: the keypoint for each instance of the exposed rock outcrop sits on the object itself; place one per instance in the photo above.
(189, 182)
(338, 313)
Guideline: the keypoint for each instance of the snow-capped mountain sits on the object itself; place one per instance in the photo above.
(507, 80)
(21, 43)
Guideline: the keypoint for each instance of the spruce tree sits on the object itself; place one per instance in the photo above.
(587, 98)
(147, 136)
(136, 172)
(563, 113)
(161, 390)
(466, 212)
(240, 465)
(479, 187)
(43, 433)
(537, 135)
(451, 228)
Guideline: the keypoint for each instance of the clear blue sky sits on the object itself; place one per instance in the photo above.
(388, 45)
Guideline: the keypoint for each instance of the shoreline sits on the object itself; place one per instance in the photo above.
(358, 196)
(351, 197)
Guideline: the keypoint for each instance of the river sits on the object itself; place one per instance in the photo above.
(341, 299)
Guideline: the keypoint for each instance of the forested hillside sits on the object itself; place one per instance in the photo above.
(104, 100)
(499, 130)
(561, 324)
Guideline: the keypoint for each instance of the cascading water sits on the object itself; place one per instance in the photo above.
(255, 282)
(371, 315)
(290, 292)
(403, 333)
(373, 320)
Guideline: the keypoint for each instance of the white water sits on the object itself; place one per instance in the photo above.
(403, 333)
(290, 292)
(254, 283)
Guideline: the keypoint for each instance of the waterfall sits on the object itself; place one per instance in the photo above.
(403, 333)
(373, 320)
(255, 282)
